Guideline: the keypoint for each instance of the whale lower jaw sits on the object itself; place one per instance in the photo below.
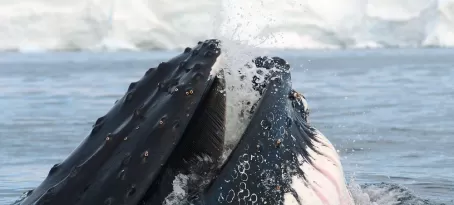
(327, 184)
(280, 158)
(170, 126)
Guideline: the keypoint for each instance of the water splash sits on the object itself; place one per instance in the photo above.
(42, 25)
(178, 196)
(385, 194)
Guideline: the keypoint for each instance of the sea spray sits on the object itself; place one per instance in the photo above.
(236, 62)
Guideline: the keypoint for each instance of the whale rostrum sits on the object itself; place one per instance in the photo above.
(171, 123)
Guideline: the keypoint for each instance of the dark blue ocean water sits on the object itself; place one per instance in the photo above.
(390, 113)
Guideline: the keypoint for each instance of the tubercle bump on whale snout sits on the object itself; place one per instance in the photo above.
(271, 62)
(274, 65)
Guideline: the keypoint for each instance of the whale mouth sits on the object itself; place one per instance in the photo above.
(203, 152)
(171, 125)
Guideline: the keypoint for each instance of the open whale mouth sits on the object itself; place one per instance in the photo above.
(170, 126)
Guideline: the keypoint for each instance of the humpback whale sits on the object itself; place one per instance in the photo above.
(170, 126)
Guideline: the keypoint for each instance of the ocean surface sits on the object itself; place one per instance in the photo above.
(389, 112)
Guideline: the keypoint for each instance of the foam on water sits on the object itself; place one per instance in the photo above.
(40, 25)
(179, 193)
(385, 194)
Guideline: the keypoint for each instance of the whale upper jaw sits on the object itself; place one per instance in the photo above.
(129, 147)
(172, 123)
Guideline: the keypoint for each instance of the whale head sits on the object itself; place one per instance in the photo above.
(171, 117)
(169, 127)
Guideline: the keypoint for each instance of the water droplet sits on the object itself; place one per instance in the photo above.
(162, 121)
(109, 137)
(145, 154)
(121, 174)
(278, 142)
(176, 125)
(266, 124)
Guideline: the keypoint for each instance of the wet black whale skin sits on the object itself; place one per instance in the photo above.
(124, 153)
(131, 154)
(260, 168)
